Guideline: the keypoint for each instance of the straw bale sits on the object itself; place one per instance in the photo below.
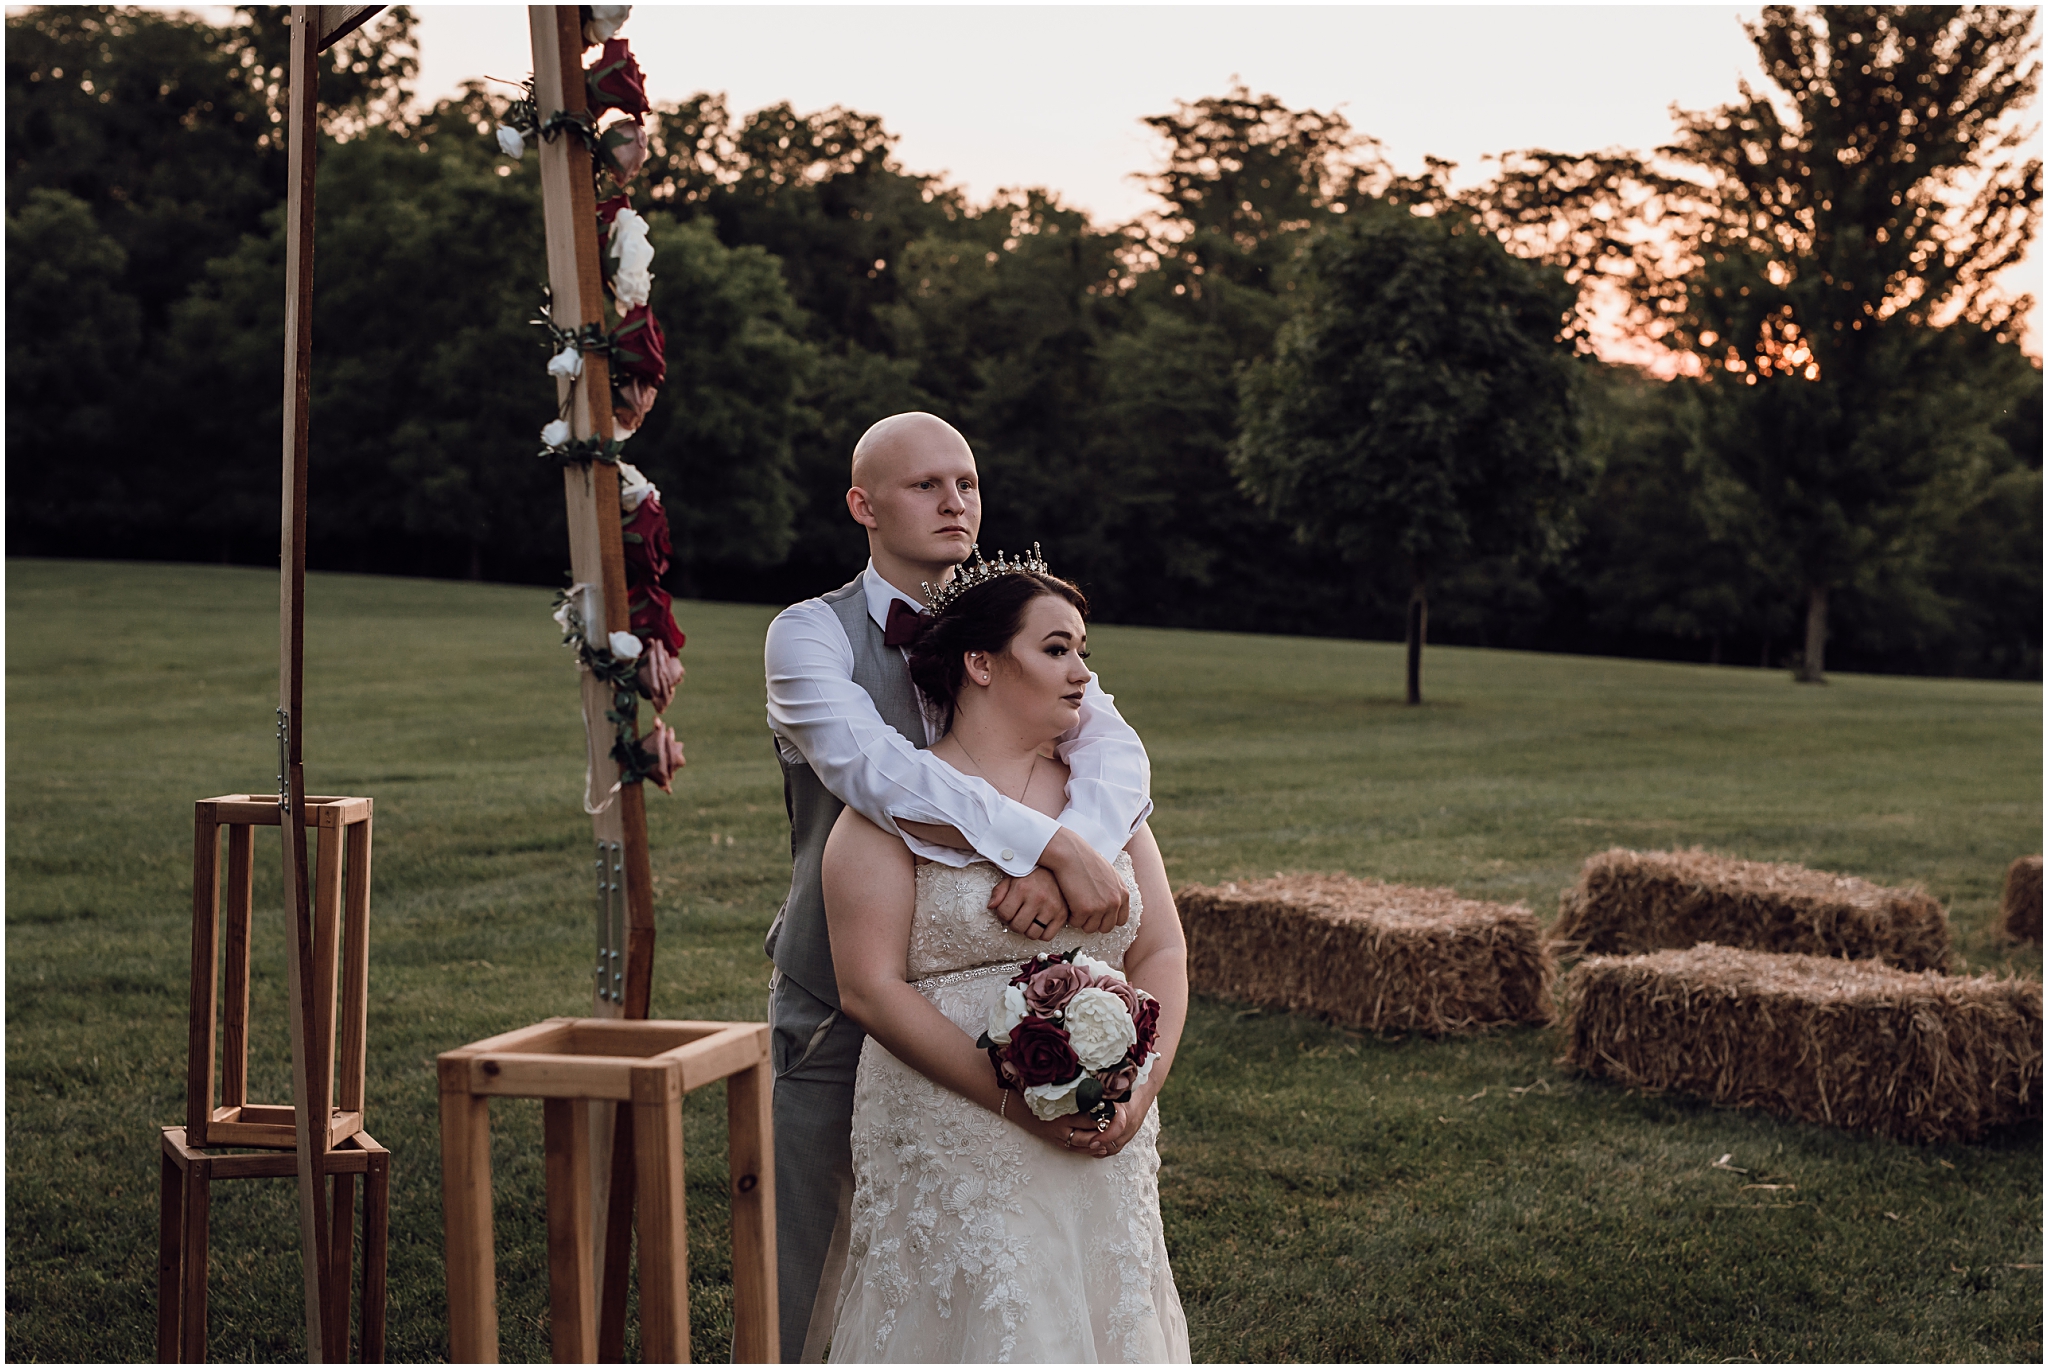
(1628, 902)
(1379, 957)
(2019, 908)
(1920, 1056)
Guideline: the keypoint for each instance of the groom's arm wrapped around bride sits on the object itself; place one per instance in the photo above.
(825, 719)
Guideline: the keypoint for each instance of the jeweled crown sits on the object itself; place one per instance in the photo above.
(976, 571)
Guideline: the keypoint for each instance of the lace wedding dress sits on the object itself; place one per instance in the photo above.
(972, 1240)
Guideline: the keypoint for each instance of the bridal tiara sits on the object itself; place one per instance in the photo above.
(980, 572)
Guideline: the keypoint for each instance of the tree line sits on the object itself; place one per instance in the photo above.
(1304, 394)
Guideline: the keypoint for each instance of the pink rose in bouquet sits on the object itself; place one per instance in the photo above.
(615, 81)
(660, 672)
(1048, 990)
(625, 146)
(664, 752)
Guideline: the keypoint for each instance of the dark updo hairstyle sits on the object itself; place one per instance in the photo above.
(984, 618)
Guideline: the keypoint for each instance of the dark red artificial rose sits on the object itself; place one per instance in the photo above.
(1041, 1053)
(652, 619)
(607, 210)
(615, 81)
(1146, 1020)
(639, 349)
(645, 534)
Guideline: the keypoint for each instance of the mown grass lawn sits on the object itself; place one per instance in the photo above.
(1328, 1196)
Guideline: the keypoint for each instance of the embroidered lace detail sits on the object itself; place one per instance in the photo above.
(973, 1240)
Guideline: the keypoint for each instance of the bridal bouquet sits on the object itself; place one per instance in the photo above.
(1072, 1034)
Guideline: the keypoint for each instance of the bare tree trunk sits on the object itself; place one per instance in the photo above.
(1812, 666)
(1418, 629)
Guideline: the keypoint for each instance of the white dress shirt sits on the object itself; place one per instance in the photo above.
(819, 715)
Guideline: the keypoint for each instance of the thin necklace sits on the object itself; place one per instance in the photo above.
(982, 770)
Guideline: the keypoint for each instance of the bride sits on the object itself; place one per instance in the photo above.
(980, 1232)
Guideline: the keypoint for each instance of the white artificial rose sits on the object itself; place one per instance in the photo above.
(631, 279)
(1097, 968)
(626, 647)
(562, 612)
(567, 362)
(510, 141)
(1144, 1071)
(1099, 1028)
(604, 21)
(556, 434)
(1053, 1100)
(633, 486)
(1005, 1013)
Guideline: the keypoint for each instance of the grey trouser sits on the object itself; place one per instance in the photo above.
(816, 1050)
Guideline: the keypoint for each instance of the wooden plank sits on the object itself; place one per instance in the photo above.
(203, 1008)
(170, 1259)
(572, 1295)
(302, 143)
(281, 1164)
(192, 1313)
(716, 1057)
(664, 1241)
(332, 23)
(234, 1062)
(327, 885)
(615, 1240)
(341, 1227)
(472, 1264)
(750, 1131)
(355, 981)
(376, 1244)
(553, 1076)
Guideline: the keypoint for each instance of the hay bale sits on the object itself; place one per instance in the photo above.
(2019, 907)
(1629, 902)
(1852, 1043)
(1380, 957)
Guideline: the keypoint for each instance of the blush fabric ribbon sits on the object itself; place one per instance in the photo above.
(904, 621)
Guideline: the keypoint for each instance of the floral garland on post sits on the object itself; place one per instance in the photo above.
(644, 662)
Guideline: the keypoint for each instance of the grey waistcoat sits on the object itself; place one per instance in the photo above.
(797, 942)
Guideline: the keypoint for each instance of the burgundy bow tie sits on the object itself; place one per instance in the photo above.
(904, 621)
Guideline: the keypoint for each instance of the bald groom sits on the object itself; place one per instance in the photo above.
(851, 730)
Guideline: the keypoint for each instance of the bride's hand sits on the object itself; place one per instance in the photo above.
(1129, 1117)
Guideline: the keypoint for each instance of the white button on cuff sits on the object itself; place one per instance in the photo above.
(1008, 854)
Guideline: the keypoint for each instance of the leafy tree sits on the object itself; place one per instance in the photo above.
(1805, 246)
(1420, 405)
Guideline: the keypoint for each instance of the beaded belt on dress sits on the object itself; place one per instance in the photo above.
(953, 976)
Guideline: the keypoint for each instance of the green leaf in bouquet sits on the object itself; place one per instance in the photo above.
(1089, 1095)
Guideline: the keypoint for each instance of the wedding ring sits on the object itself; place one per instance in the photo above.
(1069, 1143)
(1038, 922)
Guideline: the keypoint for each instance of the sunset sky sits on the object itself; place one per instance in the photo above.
(996, 96)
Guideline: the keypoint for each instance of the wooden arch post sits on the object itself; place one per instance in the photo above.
(624, 971)
(314, 28)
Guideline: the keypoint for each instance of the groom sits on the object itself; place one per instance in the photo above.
(851, 729)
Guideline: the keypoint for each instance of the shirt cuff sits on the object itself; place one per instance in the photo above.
(1013, 842)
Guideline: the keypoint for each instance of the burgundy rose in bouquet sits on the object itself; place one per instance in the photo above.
(615, 82)
(651, 619)
(645, 534)
(639, 348)
(1073, 1034)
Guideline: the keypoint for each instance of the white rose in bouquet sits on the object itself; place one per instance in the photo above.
(604, 21)
(556, 434)
(511, 141)
(1053, 1100)
(567, 362)
(1099, 1028)
(634, 487)
(1097, 968)
(631, 280)
(1005, 1013)
(626, 647)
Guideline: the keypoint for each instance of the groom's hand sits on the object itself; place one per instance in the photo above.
(1030, 905)
(1095, 896)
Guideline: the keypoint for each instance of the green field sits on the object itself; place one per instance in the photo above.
(1328, 1196)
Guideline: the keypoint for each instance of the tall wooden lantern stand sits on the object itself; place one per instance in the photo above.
(218, 1113)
